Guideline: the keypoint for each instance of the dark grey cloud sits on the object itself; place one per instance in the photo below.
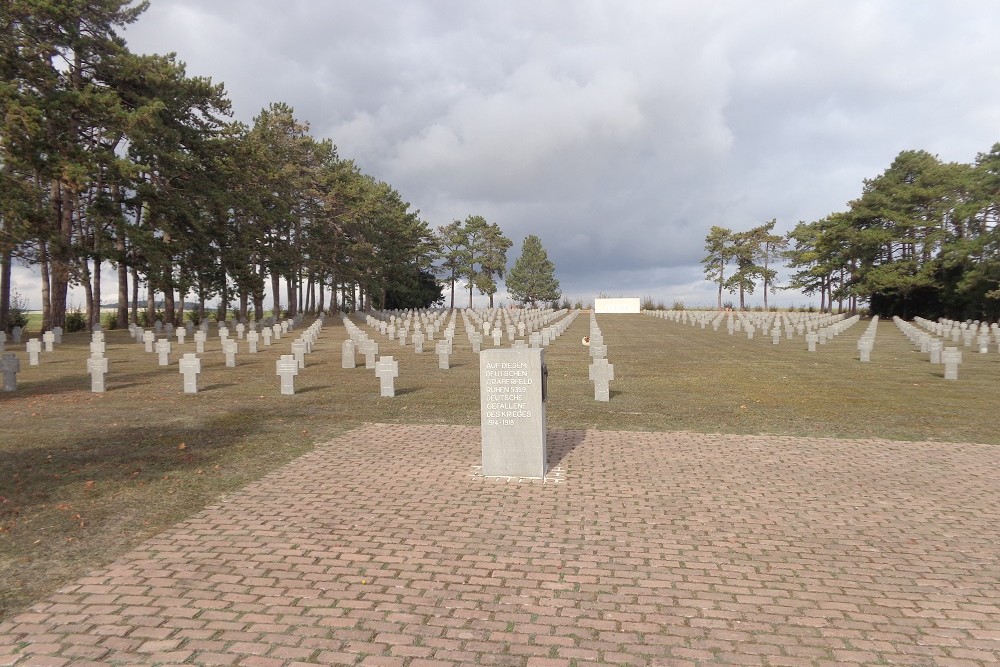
(617, 132)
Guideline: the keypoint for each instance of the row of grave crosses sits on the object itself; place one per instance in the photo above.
(386, 368)
(601, 372)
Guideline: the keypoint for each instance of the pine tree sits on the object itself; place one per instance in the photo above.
(533, 277)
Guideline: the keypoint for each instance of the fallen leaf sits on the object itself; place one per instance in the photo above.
(182, 446)
(88, 485)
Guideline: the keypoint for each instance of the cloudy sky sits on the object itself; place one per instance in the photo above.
(618, 132)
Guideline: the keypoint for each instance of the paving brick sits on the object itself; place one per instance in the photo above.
(654, 548)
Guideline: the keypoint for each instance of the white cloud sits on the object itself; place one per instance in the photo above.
(618, 132)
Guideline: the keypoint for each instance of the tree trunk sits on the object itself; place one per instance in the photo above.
(168, 305)
(135, 296)
(244, 303)
(96, 296)
(182, 297)
(290, 291)
(43, 262)
(275, 295)
(5, 266)
(322, 294)
(150, 304)
(224, 301)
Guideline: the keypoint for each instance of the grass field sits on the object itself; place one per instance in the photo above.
(84, 477)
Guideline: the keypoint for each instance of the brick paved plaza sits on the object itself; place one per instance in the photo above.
(384, 547)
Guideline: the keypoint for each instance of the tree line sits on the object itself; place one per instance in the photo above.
(108, 156)
(922, 239)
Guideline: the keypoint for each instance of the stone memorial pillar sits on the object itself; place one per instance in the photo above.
(512, 410)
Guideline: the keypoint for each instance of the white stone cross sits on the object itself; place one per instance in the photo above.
(190, 366)
(811, 339)
(387, 370)
(277, 331)
(98, 346)
(347, 354)
(148, 338)
(33, 347)
(57, 332)
(287, 369)
(370, 350)
(252, 338)
(299, 352)
(601, 373)
(97, 366)
(229, 347)
(265, 335)
(240, 330)
(181, 335)
(418, 342)
(163, 350)
(442, 351)
(10, 365)
(199, 341)
(223, 332)
(49, 338)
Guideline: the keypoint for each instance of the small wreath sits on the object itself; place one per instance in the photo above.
(586, 341)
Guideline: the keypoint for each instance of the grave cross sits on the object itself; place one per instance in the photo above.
(33, 347)
(163, 350)
(199, 341)
(287, 369)
(387, 370)
(48, 338)
(252, 337)
(299, 352)
(148, 338)
(601, 373)
(370, 349)
(442, 351)
(97, 366)
(190, 366)
(229, 347)
(347, 354)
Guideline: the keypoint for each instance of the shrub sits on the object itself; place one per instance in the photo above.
(75, 321)
(678, 304)
(648, 304)
(17, 315)
(109, 321)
